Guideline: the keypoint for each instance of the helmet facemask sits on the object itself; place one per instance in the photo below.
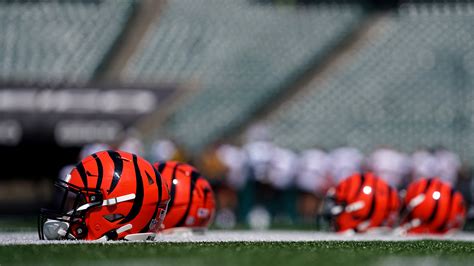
(65, 220)
(331, 209)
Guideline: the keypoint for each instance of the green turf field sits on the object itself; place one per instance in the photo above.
(245, 253)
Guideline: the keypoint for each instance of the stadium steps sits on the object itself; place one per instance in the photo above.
(58, 41)
(239, 56)
(144, 14)
(317, 71)
(410, 85)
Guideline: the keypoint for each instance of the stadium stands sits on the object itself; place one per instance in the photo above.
(58, 40)
(408, 86)
(239, 53)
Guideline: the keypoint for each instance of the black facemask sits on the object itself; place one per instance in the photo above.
(65, 219)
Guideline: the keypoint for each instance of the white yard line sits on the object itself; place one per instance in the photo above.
(27, 238)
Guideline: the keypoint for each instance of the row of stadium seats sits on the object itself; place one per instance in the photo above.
(407, 86)
(239, 53)
(58, 40)
(410, 85)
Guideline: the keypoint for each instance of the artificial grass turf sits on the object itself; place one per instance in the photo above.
(429, 252)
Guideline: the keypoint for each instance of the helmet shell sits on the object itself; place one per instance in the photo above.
(433, 207)
(112, 194)
(192, 201)
(364, 201)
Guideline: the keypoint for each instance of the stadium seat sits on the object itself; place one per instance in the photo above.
(239, 53)
(408, 86)
(54, 41)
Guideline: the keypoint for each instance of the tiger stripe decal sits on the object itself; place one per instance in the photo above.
(82, 172)
(173, 185)
(100, 170)
(139, 194)
(194, 178)
(118, 168)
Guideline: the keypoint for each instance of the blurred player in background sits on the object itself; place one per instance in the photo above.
(162, 150)
(344, 161)
(439, 162)
(281, 173)
(259, 150)
(389, 164)
(231, 192)
(86, 150)
(132, 142)
(312, 181)
(448, 165)
(165, 150)
(424, 164)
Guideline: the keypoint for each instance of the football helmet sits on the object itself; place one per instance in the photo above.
(361, 202)
(432, 207)
(109, 195)
(192, 203)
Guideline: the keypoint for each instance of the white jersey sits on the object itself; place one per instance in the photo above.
(235, 161)
(313, 171)
(344, 162)
(448, 166)
(162, 150)
(133, 145)
(282, 168)
(260, 154)
(89, 149)
(390, 165)
(424, 165)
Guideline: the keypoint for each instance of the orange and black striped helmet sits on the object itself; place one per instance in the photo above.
(192, 201)
(432, 207)
(109, 195)
(361, 202)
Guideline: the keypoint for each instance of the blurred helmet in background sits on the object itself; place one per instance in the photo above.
(360, 203)
(109, 195)
(432, 207)
(192, 201)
